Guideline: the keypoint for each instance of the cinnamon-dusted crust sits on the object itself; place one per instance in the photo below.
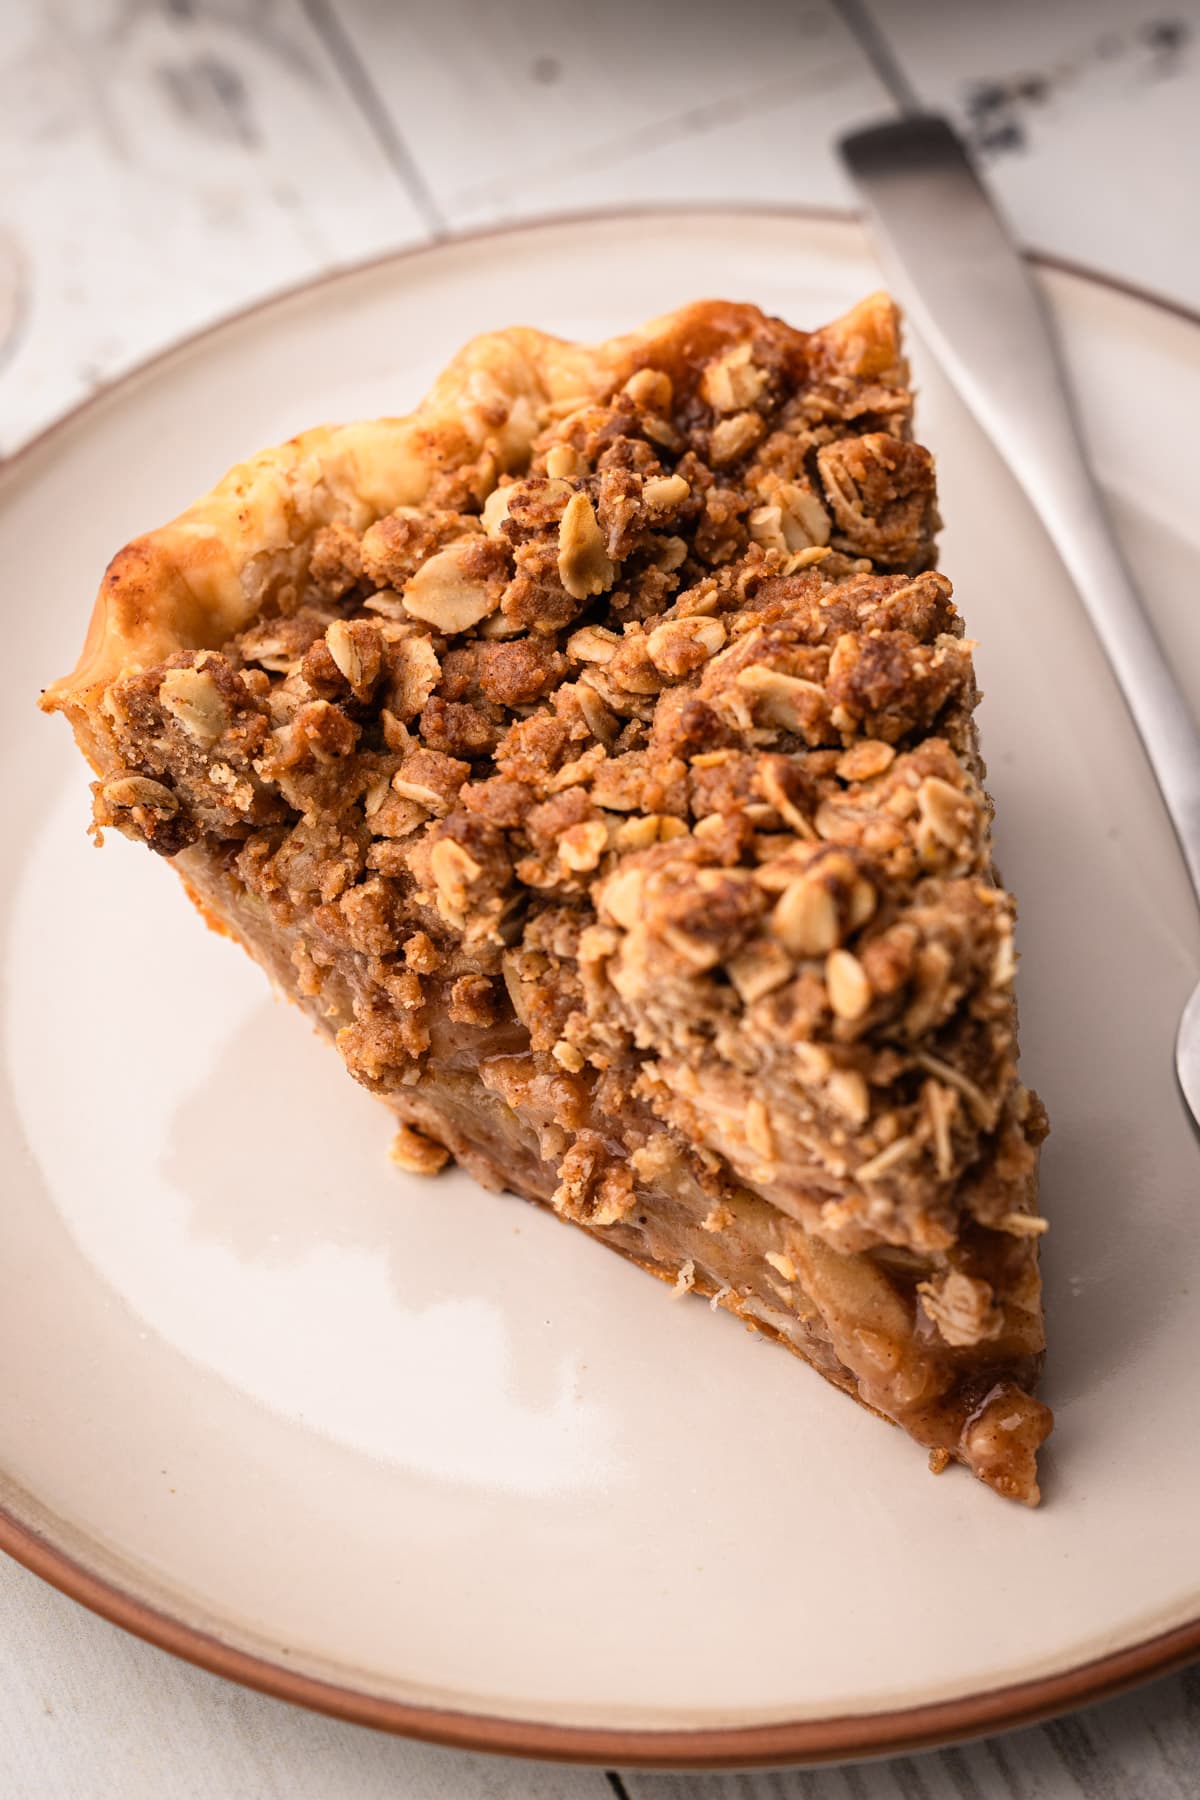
(592, 753)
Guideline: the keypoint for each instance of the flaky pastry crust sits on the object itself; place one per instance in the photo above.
(197, 582)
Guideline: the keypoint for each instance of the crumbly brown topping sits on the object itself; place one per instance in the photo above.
(654, 683)
(653, 766)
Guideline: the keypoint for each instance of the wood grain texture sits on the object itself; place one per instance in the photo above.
(1084, 114)
(162, 164)
(589, 106)
(164, 161)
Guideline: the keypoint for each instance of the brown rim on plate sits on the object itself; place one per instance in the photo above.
(841, 1738)
(736, 1746)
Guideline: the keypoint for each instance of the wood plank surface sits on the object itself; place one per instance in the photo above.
(161, 165)
(602, 105)
(1085, 115)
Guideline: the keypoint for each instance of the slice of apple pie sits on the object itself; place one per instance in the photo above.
(591, 753)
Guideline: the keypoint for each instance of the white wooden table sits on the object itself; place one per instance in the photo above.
(165, 161)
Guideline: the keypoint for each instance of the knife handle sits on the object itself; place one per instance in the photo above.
(975, 303)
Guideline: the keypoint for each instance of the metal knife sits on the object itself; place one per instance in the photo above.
(970, 294)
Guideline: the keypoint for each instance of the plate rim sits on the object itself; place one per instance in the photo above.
(842, 1737)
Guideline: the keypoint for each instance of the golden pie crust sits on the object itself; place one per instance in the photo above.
(592, 754)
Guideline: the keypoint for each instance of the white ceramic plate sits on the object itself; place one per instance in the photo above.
(413, 1452)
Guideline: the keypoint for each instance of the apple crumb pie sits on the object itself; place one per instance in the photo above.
(592, 755)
